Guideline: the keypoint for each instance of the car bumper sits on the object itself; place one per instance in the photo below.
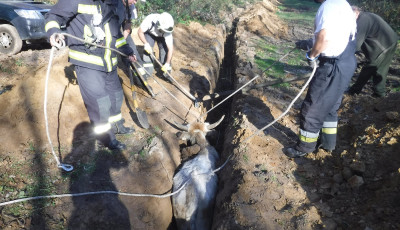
(30, 29)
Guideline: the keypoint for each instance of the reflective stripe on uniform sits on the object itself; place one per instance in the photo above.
(308, 136)
(147, 65)
(114, 61)
(330, 124)
(120, 42)
(84, 57)
(107, 53)
(115, 118)
(329, 127)
(329, 130)
(87, 9)
(52, 24)
(99, 129)
(142, 71)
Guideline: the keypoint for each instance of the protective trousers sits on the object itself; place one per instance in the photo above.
(324, 96)
(102, 94)
(377, 69)
(162, 48)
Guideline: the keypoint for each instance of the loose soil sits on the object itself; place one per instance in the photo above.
(354, 187)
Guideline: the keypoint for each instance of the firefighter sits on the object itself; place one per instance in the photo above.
(126, 16)
(334, 48)
(95, 21)
(378, 41)
(157, 28)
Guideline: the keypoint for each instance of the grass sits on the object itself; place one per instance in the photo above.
(266, 59)
(5, 69)
(308, 10)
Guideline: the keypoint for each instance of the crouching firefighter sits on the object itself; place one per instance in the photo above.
(95, 21)
(157, 28)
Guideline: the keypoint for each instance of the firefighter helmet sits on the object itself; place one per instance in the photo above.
(166, 23)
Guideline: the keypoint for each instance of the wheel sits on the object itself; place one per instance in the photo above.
(10, 42)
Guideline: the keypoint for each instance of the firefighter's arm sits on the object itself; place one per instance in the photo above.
(124, 47)
(320, 44)
(59, 15)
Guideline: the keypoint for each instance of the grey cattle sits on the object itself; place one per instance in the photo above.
(193, 205)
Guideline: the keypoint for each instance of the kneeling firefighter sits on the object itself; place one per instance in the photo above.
(95, 21)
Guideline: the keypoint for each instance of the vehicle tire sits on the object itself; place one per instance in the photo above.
(10, 42)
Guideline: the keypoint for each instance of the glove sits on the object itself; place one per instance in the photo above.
(304, 44)
(312, 62)
(57, 40)
(166, 68)
(148, 48)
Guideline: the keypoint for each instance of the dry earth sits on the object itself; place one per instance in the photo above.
(355, 187)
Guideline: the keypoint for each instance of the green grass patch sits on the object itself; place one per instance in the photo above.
(305, 13)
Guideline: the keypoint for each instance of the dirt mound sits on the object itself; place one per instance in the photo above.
(261, 19)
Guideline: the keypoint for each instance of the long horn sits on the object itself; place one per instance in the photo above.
(209, 127)
(182, 127)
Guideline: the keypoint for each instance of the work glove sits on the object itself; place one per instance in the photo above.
(304, 44)
(166, 68)
(148, 48)
(57, 40)
(312, 62)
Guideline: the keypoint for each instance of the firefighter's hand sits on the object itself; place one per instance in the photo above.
(312, 62)
(166, 68)
(148, 48)
(57, 40)
(132, 58)
(127, 29)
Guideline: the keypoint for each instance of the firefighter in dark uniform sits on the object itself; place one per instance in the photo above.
(96, 21)
(126, 16)
(378, 41)
(334, 48)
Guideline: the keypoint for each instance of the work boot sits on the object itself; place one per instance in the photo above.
(119, 128)
(293, 153)
(116, 145)
(108, 140)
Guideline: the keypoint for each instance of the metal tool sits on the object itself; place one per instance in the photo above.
(134, 65)
(141, 115)
(180, 87)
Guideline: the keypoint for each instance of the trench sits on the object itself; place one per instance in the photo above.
(224, 83)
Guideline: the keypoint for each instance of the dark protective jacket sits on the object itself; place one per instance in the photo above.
(77, 16)
(374, 36)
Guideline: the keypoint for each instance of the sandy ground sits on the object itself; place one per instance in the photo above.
(355, 187)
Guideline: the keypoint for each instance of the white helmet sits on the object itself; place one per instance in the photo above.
(165, 23)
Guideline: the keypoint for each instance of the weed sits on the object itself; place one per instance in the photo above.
(5, 69)
(245, 158)
(157, 129)
(143, 153)
(150, 139)
(19, 62)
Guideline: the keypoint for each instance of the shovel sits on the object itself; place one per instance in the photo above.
(135, 67)
(141, 115)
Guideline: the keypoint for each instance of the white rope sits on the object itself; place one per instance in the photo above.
(93, 193)
(254, 78)
(288, 108)
(65, 167)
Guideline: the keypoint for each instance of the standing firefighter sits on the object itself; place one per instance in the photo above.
(157, 28)
(378, 41)
(95, 21)
(334, 48)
